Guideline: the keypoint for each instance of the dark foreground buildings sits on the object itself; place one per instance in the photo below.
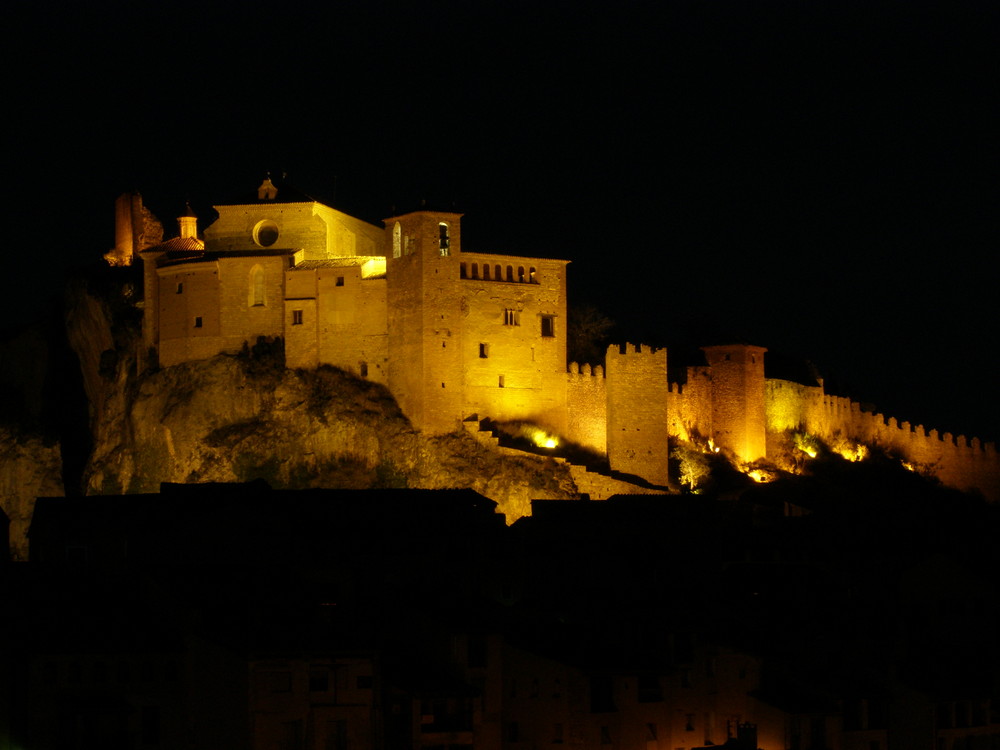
(244, 617)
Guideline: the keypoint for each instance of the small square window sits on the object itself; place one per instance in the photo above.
(296, 317)
(548, 326)
(340, 281)
(197, 322)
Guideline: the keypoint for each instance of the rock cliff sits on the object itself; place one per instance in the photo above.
(30, 467)
(227, 419)
(231, 418)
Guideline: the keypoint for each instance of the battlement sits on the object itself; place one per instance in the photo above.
(628, 350)
(585, 370)
(956, 460)
(454, 333)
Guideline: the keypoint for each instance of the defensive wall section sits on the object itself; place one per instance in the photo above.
(638, 392)
(690, 406)
(587, 406)
(957, 461)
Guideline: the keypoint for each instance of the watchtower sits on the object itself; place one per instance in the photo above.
(738, 413)
(424, 317)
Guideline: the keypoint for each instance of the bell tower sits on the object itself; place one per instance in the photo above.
(425, 318)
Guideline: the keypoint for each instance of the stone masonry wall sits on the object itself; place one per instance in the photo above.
(638, 394)
(587, 407)
(956, 461)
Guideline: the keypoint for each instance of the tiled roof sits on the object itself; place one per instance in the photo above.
(355, 260)
(178, 245)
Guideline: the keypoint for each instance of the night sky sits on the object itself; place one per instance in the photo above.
(815, 177)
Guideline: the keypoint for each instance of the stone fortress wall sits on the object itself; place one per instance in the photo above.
(957, 461)
(738, 410)
(456, 335)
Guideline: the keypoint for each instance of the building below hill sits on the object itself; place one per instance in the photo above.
(234, 615)
(461, 336)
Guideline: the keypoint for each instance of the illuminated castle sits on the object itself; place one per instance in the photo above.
(459, 336)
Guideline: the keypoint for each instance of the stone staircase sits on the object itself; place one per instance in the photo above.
(595, 485)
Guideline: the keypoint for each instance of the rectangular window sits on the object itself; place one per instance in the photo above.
(319, 681)
(180, 287)
(501, 381)
(511, 317)
(197, 322)
(340, 281)
(296, 317)
(484, 351)
(548, 326)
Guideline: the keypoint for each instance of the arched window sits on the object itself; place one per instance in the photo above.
(475, 270)
(520, 274)
(486, 271)
(498, 276)
(444, 238)
(462, 273)
(510, 273)
(257, 287)
(397, 240)
(532, 276)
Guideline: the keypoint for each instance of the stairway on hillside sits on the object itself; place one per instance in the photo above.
(597, 485)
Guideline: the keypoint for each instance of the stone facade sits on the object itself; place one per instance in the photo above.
(458, 335)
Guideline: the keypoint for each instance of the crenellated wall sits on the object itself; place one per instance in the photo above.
(690, 405)
(956, 461)
(456, 334)
(587, 406)
(638, 393)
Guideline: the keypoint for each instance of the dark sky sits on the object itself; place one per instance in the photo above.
(814, 177)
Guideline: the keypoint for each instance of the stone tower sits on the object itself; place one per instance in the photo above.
(738, 413)
(424, 318)
(637, 393)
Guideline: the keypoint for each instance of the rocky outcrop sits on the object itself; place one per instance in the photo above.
(30, 467)
(230, 419)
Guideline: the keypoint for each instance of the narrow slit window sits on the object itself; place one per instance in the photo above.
(484, 351)
(296, 317)
(197, 322)
(257, 287)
